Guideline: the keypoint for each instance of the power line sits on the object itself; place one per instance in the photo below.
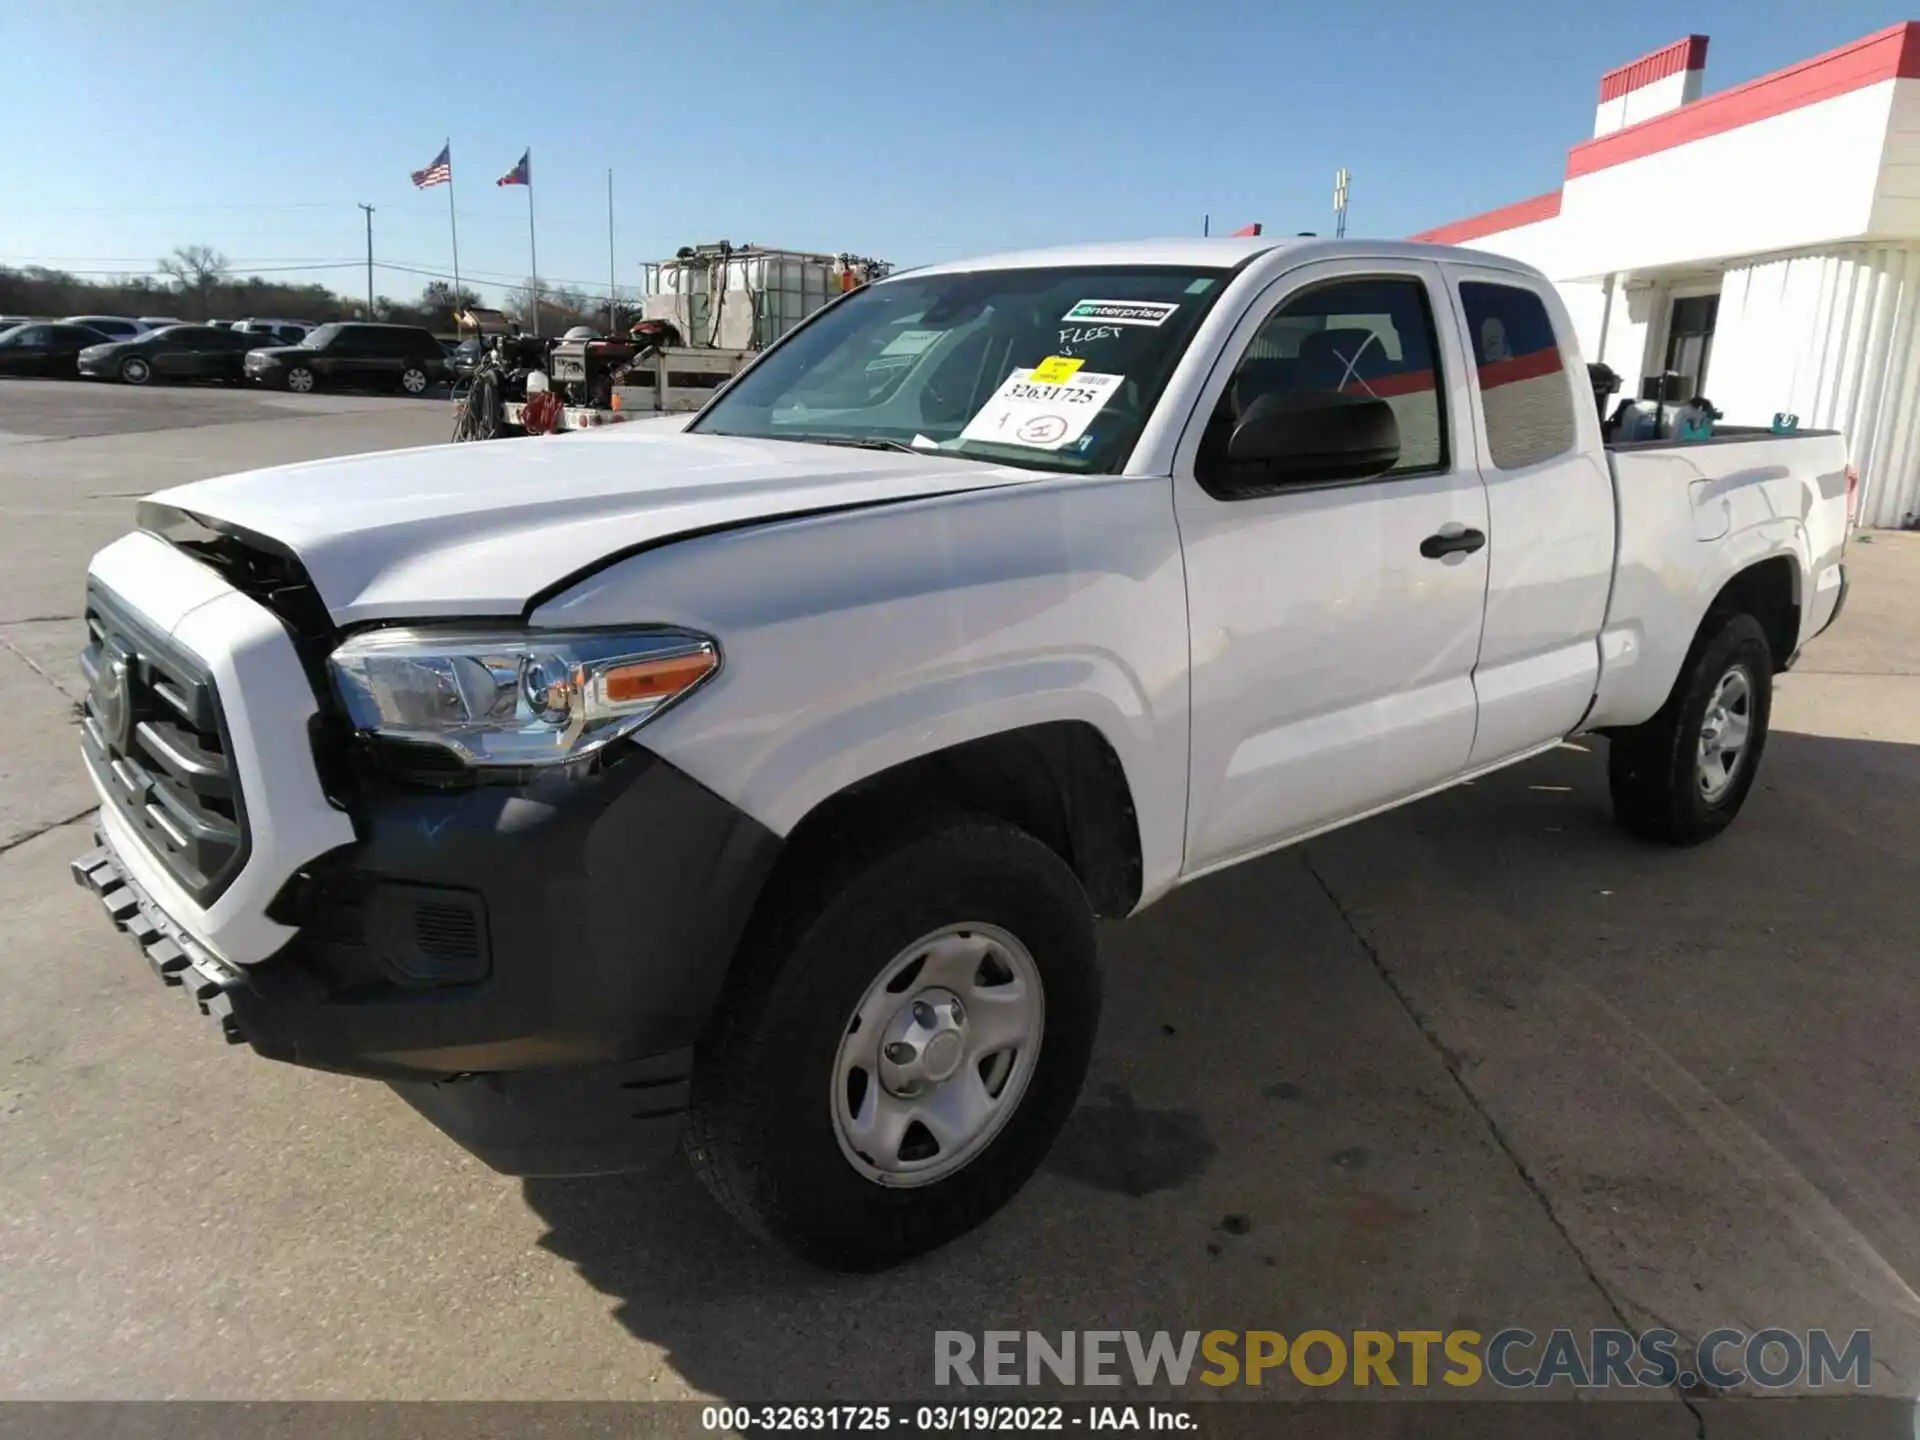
(500, 278)
(121, 273)
(176, 209)
(149, 260)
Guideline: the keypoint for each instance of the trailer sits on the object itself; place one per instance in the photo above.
(715, 307)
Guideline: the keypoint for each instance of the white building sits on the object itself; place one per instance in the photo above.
(1764, 241)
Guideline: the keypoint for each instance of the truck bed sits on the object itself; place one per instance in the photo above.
(1740, 496)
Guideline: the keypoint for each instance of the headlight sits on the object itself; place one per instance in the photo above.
(526, 697)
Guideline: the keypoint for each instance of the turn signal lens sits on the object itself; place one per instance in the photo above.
(655, 679)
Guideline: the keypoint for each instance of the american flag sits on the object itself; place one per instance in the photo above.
(440, 172)
(521, 174)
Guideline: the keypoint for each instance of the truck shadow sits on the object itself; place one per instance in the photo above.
(1292, 1114)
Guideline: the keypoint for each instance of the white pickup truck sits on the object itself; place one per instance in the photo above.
(754, 786)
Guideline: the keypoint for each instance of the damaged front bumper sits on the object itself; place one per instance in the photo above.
(171, 953)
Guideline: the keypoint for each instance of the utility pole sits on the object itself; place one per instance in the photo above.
(369, 210)
(1341, 181)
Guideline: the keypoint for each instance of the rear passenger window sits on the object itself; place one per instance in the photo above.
(1371, 336)
(1524, 390)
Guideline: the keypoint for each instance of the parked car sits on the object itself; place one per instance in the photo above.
(157, 322)
(114, 327)
(275, 332)
(176, 352)
(50, 348)
(375, 357)
(7, 322)
(462, 357)
(757, 787)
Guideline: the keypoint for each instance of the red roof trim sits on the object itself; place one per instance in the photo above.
(1492, 222)
(1677, 58)
(1893, 53)
(1890, 54)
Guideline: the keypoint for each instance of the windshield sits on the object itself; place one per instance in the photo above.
(1053, 369)
(312, 340)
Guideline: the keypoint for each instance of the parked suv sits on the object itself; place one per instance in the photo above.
(376, 357)
(275, 332)
(113, 327)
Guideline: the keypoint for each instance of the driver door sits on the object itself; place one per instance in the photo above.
(1332, 655)
(29, 351)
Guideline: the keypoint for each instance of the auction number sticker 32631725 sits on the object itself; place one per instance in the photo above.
(1042, 415)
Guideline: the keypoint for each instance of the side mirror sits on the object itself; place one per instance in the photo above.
(1309, 437)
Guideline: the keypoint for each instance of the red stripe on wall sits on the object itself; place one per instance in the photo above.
(1385, 387)
(1893, 53)
(1674, 59)
(1492, 222)
(1520, 367)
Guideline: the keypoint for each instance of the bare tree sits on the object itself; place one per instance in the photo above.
(439, 304)
(196, 270)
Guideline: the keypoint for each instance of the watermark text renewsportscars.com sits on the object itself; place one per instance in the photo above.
(1509, 1359)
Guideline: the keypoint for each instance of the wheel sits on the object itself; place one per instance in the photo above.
(1683, 775)
(413, 379)
(902, 1041)
(135, 371)
(300, 379)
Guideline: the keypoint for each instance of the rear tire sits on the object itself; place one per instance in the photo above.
(1682, 776)
(767, 1132)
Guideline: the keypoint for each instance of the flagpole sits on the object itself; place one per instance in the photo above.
(533, 255)
(454, 226)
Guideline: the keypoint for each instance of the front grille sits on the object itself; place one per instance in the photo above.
(154, 734)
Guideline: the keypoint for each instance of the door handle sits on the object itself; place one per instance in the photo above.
(1461, 542)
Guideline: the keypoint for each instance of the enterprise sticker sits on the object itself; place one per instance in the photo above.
(1121, 312)
(1042, 416)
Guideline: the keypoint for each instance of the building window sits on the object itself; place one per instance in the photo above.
(1690, 341)
(1524, 390)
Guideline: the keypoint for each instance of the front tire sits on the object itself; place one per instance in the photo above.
(413, 380)
(903, 1039)
(1682, 776)
(301, 380)
(135, 371)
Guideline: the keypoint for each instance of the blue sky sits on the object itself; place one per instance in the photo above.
(913, 130)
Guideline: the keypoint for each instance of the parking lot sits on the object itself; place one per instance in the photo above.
(1482, 1062)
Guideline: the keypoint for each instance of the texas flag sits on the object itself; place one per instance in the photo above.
(521, 174)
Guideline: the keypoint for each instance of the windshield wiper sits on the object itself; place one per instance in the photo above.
(851, 442)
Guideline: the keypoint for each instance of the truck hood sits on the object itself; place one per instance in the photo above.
(480, 529)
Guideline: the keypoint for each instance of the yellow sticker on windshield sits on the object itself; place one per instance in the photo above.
(1055, 370)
